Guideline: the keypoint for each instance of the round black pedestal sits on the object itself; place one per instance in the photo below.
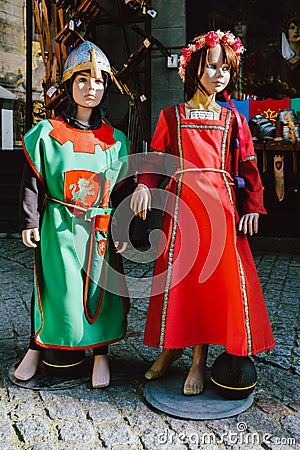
(43, 381)
(165, 394)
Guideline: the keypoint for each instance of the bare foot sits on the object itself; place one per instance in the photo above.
(101, 372)
(194, 383)
(29, 365)
(163, 362)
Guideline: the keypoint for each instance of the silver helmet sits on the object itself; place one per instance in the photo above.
(86, 56)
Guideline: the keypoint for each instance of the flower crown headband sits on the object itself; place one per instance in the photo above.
(212, 39)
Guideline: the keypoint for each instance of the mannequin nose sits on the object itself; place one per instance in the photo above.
(221, 71)
(92, 86)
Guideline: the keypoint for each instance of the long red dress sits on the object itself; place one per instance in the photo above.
(205, 286)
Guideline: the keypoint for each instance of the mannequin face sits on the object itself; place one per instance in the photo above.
(240, 29)
(87, 91)
(293, 32)
(216, 75)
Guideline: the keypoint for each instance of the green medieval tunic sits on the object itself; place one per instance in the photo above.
(80, 297)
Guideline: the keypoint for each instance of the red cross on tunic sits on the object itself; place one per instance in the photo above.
(83, 141)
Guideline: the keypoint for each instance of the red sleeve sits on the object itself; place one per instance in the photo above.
(153, 170)
(251, 197)
(161, 136)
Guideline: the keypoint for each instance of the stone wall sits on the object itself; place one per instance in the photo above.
(12, 45)
(169, 27)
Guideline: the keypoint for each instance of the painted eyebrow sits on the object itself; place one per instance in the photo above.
(85, 74)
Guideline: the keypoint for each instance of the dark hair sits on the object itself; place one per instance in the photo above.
(199, 58)
(98, 112)
(295, 20)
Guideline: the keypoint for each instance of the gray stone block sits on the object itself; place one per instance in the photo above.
(118, 434)
(32, 429)
(75, 431)
(292, 425)
(6, 431)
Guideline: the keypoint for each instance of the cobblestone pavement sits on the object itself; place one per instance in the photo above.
(119, 418)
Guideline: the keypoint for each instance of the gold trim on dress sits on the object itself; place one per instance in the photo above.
(204, 127)
(173, 236)
(241, 268)
(246, 305)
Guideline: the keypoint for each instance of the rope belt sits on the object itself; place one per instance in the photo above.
(80, 208)
(202, 169)
(89, 212)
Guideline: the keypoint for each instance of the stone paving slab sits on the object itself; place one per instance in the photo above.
(119, 417)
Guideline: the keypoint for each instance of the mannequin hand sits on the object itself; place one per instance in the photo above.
(249, 223)
(27, 236)
(123, 246)
(141, 201)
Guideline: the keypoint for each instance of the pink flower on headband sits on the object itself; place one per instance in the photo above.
(211, 39)
(238, 45)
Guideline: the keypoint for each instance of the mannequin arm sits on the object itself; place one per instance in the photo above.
(141, 201)
(30, 237)
(249, 223)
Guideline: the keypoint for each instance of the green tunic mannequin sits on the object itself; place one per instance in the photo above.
(79, 300)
